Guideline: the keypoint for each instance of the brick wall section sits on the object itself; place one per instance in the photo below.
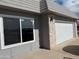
(52, 33)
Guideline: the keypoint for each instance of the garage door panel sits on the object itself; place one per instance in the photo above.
(64, 31)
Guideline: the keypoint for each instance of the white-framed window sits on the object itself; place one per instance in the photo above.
(16, 31)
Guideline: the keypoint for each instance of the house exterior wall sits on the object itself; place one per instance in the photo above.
(44, 32)
(15, 52)
(52, 31)
(48, 32)
(42, 24)
(52, 34)
(29, 5)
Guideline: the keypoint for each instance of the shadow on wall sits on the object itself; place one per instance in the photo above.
(73, 49)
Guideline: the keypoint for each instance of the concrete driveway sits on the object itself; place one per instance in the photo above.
(56, 53)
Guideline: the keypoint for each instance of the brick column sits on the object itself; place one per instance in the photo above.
(52, 33)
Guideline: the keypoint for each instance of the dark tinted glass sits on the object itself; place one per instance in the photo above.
(11, 30)
(27, 30)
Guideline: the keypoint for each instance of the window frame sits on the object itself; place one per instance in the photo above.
(3, 46)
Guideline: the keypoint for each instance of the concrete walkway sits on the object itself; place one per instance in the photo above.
(56, 53)
(71, 42)
(46, 54)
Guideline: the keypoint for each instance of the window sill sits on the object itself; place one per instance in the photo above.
(18, 44)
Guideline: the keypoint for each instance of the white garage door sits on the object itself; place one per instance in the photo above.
(64, 31)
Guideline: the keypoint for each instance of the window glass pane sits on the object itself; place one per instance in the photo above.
(11, 30)
(27, 30)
